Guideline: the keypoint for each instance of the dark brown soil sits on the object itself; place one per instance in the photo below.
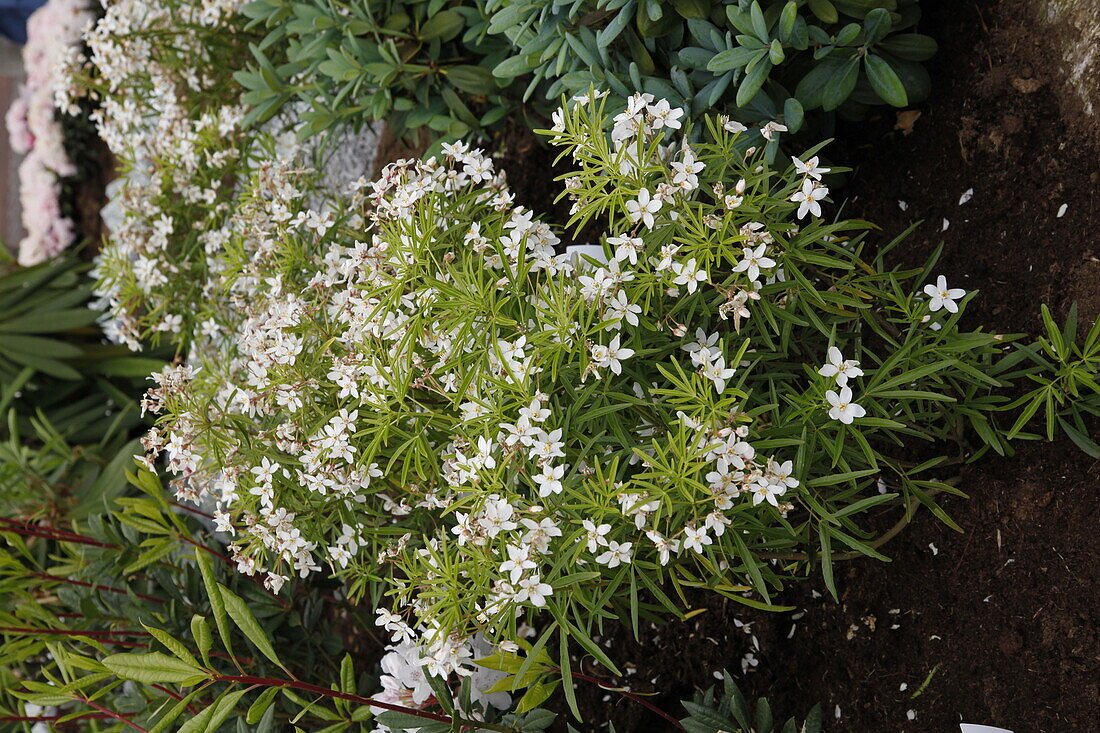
(999, 625)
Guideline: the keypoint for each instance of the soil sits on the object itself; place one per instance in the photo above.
(997, 625)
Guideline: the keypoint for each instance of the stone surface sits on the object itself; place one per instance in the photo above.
(1076, 28)
(11, 76)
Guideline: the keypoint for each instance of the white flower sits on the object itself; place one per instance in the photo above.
(753, 260)
(616, 554)
(665, 115)
(769, 130)
(540, 533)
(533, 590)
(626, 248)
(535, 412)
(839, 368)
(695, 539)
(717, 372)
(808, 196)
(766, 491)
(732, 126)
(809, 168)
(942, 297)
(265, 471)
(665, 546)
(547, 445)
(519, 559)
(620, 309)
(843, 408)
(687, 273)
(597, 536)
(549, 481)
(611, 355)
(780, 473)
(339, 556)
(643, 208)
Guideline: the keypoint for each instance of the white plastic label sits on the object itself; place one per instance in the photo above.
(971, 728)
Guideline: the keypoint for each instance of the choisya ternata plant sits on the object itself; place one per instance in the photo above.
(419, 389)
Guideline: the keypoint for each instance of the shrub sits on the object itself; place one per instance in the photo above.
(414, 63)
(757, 61)
(427, 64)
(169, 112)
(139, 597)
(415, 388)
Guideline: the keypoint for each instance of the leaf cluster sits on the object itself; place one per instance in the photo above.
(454, 67)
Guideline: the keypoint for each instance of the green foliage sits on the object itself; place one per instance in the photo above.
(728, 712)
(459, 66)
(122, 596)
(417, 64)
(68, 401)
(369, 395)
(755, 60)
(1066, 395)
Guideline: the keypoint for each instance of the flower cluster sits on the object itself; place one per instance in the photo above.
(413, 382)
(169, 113)
(35, 128)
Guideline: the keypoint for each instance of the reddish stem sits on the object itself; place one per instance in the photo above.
(175, 696)
(113, 714)
(66, 632)
(229, 560)
(630, 696)
(49, 533)
(317, 690)
(108, 588)
(193, 510)
(97, 635)
(50, 718)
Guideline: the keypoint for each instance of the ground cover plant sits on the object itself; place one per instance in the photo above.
(598, 405)
(406, 426)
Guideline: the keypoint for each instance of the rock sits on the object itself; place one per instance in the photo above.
(1076, 35)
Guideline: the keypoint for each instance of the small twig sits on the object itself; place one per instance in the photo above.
(82, 584)
(627, 694)
(112, 714)
(317, 690)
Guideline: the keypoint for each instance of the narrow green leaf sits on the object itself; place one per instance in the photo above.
(242, 615)
(152, 668)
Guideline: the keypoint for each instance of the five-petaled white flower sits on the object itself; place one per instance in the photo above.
(534, 590)
(839, 368)
(763, 491)
(664, 115)
(689, 274)
(597, 536)
(549, 481)
(717, 372)
(694, 539)
(611, 355)
(616, 554)
(943, 297)
(643, 208)
(809, 168)
(843, 408)
(808, 196)
(754, 260)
